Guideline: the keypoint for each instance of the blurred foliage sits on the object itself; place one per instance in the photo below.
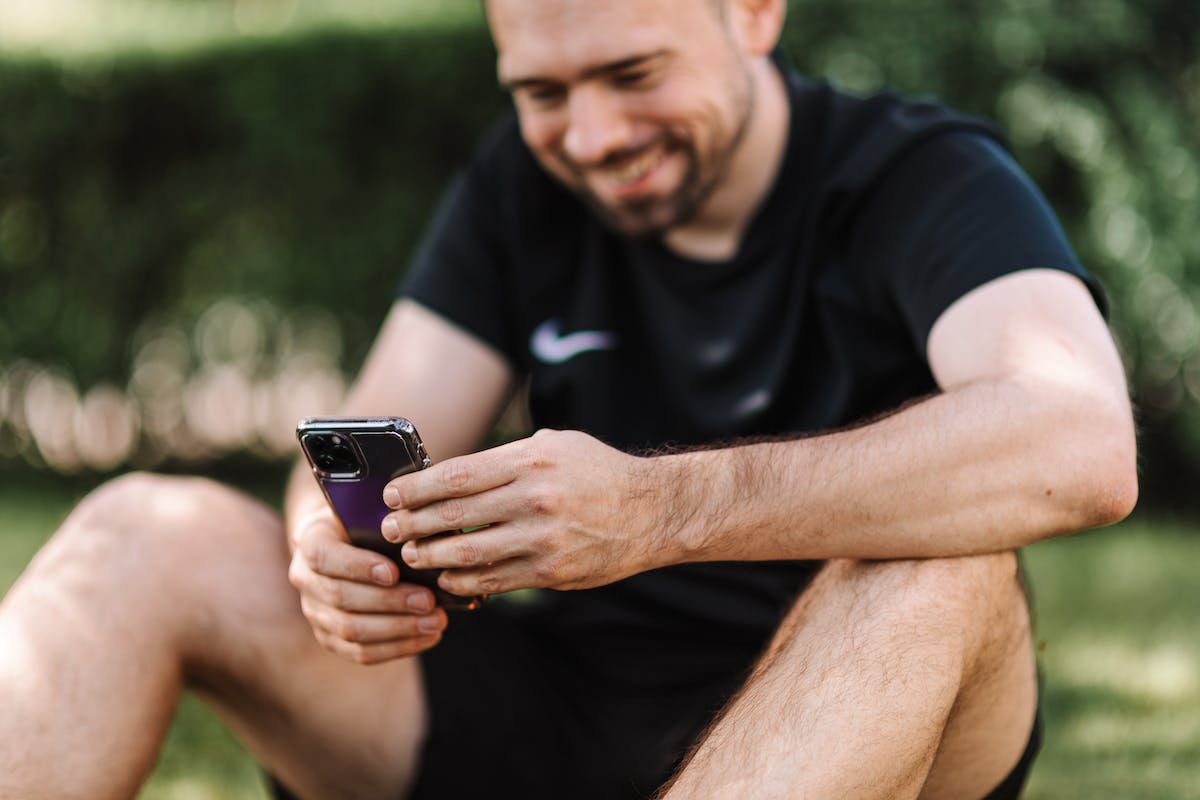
(298, 171)
(295, 171)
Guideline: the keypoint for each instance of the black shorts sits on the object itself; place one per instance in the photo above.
(520, 709)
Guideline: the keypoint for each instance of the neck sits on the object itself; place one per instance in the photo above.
(715, 233)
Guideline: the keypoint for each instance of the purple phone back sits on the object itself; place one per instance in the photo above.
(387, 447)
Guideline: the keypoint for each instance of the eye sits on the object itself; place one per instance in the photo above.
(544, 94)
(631, 78)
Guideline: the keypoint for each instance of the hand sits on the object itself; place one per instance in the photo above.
(562, 510)
(352, 598)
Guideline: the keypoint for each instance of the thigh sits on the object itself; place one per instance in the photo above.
(886, 679)
(207, 565)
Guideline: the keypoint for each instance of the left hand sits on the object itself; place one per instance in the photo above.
(562, 510)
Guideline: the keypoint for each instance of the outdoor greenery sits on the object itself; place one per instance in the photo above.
(1116, 615)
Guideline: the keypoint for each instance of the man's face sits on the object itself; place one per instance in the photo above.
(636, 105)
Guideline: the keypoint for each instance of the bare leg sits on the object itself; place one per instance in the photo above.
(887, 680)
(156, 583)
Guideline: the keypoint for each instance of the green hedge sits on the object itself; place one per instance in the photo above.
(135, 191)
(299, 171)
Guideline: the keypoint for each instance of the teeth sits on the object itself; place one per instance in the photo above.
(635, 170)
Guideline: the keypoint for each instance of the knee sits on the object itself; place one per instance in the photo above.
(159, 519)
(139, 501)
(932, 583)
(979, 601)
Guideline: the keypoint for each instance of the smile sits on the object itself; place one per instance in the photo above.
(635, 169)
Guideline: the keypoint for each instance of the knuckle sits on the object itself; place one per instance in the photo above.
(547, 541)
(451, 512)
(465, 552)
(489, 583)
(295, 573)
(313, 553)
(310, 613)
(456, 473)
(334, 592)
(556, 568)
(538, 453)
(347, 629)
(358, 653)
(544, 502)
(544, 572)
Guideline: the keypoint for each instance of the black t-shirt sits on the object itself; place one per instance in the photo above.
(884, 213)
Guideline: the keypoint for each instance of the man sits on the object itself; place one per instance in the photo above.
(862, 331)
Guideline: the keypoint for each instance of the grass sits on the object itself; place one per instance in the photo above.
(1116, 609)
(1117, 618)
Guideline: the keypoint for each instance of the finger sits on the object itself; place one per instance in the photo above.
(466, 550)
(501, 504)
(505, 576)
(403, 598)
(455, 477)
(327, 553)
(374, 628)
(376, 653)
(451, 514)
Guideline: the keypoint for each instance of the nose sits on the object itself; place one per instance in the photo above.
(596, 125)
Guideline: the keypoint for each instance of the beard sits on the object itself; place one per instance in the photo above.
(703, 174)
(647, 216)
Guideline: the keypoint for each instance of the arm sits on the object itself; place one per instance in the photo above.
(452, 387)
(1032, 436)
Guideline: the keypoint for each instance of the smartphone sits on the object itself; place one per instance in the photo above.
(353, 459)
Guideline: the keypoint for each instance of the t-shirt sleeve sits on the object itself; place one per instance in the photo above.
(950, 216)
(459, 267)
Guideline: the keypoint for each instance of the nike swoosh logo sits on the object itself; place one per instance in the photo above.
(549, 347)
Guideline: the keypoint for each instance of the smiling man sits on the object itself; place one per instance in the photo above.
(808, 369)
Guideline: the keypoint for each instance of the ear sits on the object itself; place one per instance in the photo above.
(757, 24)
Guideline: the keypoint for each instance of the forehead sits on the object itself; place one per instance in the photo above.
(555, 38)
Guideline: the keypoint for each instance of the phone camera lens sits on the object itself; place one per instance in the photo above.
(333, 454)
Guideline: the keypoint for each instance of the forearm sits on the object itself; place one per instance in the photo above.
(989, 466)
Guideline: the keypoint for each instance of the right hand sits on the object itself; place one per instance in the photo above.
(352, 597)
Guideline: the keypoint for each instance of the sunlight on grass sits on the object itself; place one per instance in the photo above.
(104, 27)
(1116, 615)
(1166, 673)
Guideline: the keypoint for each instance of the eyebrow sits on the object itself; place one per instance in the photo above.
(609, 68)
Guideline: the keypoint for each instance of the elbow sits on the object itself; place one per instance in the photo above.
(1109, 490)
(1114, 499)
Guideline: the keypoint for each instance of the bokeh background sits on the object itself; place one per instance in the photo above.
(205, 206)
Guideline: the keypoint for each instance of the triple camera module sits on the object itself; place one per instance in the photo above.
(333, 454)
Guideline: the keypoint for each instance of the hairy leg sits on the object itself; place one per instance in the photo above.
(156, 583)
(887, 680)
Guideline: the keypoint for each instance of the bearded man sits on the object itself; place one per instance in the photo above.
(807, 370)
